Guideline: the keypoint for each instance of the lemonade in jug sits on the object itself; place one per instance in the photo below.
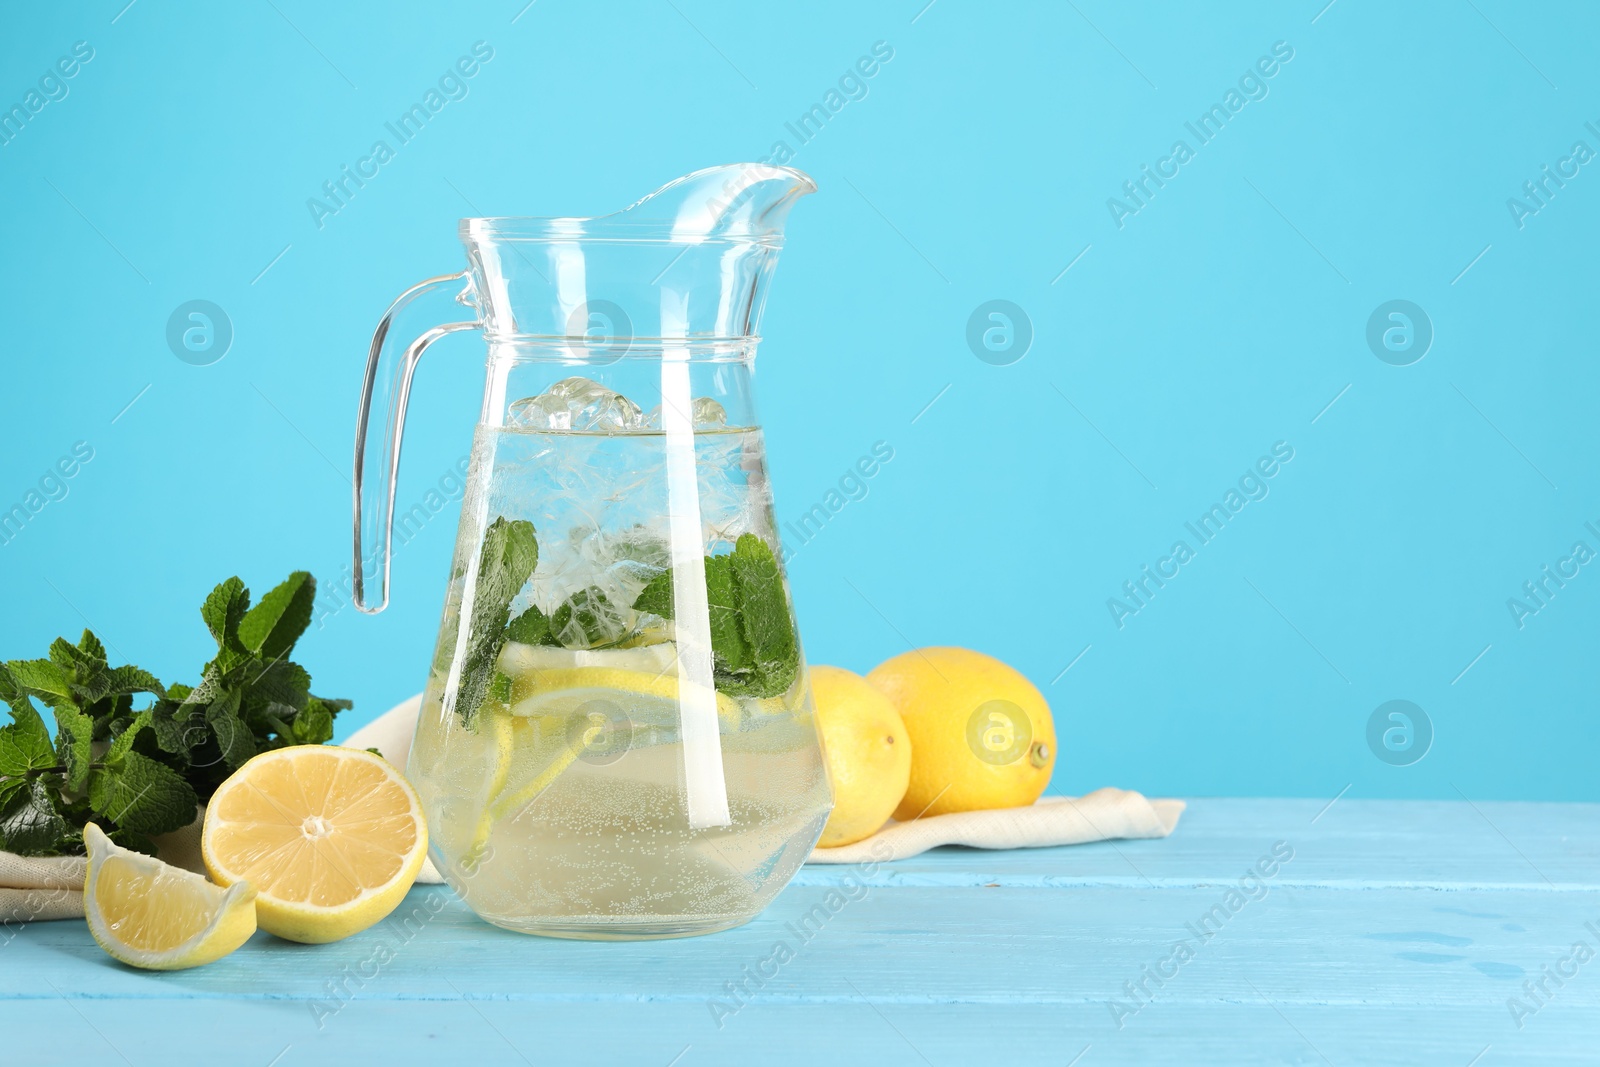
(616, 738)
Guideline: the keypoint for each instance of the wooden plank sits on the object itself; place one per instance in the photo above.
(1396, 933)
(1352, 843)
(1080, 946)
(1230, 1033)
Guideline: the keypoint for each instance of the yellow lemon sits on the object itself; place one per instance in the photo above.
(162, 918)
(868, 752)
(981, 734)
(331, 838)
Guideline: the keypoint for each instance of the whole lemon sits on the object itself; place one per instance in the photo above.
(868, 753)
(981, 735)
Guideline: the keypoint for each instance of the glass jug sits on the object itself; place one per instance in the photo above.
(617, 738)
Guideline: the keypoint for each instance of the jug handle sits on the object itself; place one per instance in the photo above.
(390, 365)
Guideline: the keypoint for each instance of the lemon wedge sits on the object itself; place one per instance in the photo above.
(331, 838)
(162, 918)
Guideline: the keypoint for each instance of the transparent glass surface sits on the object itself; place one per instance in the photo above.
(616, 738)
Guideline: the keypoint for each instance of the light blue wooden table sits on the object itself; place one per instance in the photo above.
(1398, 933)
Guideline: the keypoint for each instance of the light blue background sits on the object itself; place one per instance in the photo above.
(1223, 317)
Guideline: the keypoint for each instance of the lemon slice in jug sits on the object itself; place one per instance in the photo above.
(564, 713)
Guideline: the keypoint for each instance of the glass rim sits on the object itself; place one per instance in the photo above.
(539, 229)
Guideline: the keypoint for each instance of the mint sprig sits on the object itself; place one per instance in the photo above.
(509, 556)
(753, 646)
(142, 773)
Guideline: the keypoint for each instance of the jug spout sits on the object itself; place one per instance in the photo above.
(740, 200)
(689, 261)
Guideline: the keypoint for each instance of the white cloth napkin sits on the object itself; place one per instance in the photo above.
(44, 887)
(51, 887)
(1103, 815)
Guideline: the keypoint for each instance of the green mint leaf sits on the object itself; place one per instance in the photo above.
(281, 682)
(10, 692)
(229, 660)
(70, 843)
(532, 627)
(74, 740)
(730, 652)
(65, 655)
(588, 619)
(130, 679)
(764, 615)
(25, 744)
(234, 738)
(30, 825)
(85, 672)
(8, 788)
(271, 628)
(656, 596)
(124, 741)
(44, 679)
(209, 689)
(223, 610)
(179, 728)
(512, 548)
(509, 557)
(313, 725)
(735, 663)
(273, 718)
(92, 649)
(141, 795)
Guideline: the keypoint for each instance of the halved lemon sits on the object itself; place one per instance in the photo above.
(162, 918)
(331, 838)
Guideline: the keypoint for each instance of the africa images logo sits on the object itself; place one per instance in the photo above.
(1252, 85)
(1252, 486)
(452, 86)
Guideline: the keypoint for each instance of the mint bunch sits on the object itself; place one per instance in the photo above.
(141, 773)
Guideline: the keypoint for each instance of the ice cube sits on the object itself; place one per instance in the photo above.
(705, 413)
(576, 404)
